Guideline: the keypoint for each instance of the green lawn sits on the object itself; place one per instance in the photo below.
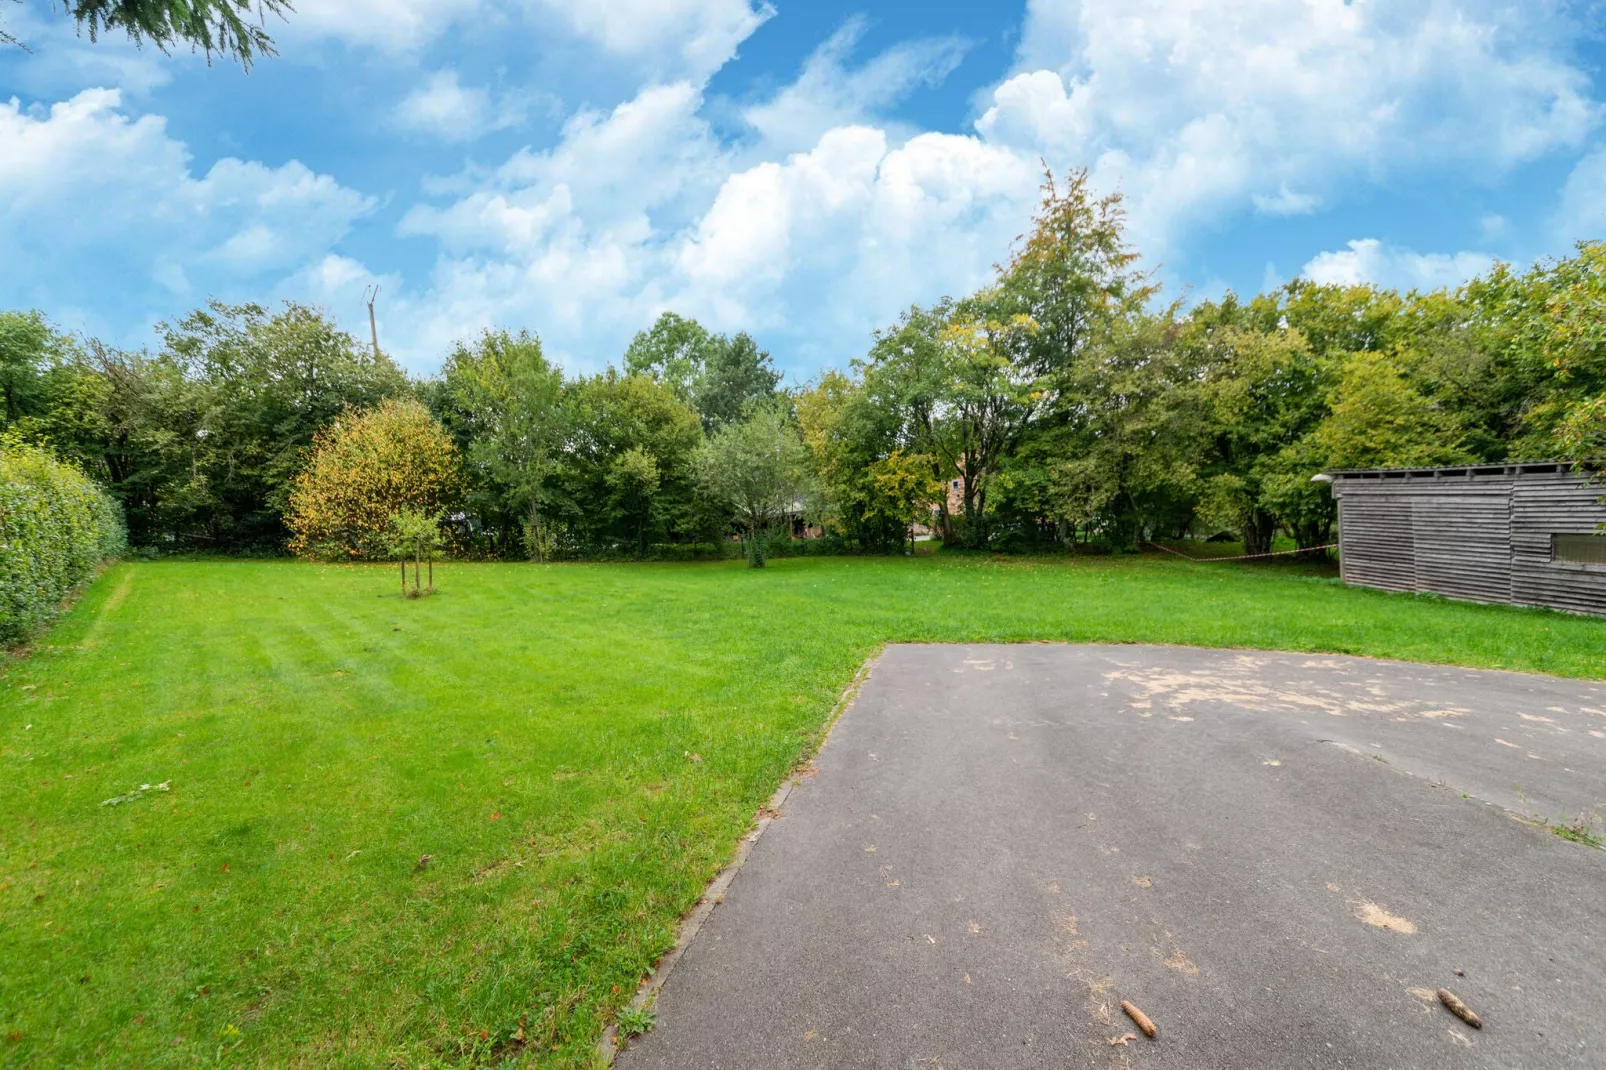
(576, 748)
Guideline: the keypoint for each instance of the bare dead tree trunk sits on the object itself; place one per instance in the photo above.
(373, 327)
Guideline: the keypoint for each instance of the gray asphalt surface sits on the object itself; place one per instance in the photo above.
(1277, 857)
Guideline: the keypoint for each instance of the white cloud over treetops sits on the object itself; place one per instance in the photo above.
(1369, 260)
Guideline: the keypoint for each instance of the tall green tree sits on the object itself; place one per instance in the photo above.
(504, 405)
(738, 376)
(675, 351)
(759, 467)
(1261, 393)
(719, 377)
(1073, 273)
(906, 389)
(626, 474)
(1380, 420)
(26, 342)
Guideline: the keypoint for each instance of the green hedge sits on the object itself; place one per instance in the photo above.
(56, 525)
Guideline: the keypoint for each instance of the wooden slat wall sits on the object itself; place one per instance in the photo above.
(1463, 543)
(1375, 544)
(1541, 506)
(1483, 538)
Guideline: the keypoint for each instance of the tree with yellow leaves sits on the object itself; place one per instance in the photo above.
(364, 469)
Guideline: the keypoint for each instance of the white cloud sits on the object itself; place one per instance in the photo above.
(847, 234)
(572, 239)
(608, 172)
(388, 25)
(85, 180)
(1581, 216)
(1198, 109)
(660, 39)
(641, 209)
(671, 38)
(827, 94)
(447, 109)
(1368, 260)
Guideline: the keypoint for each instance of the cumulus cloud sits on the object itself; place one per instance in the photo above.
(445, 108)
(850, 232)
(1197, 109)
(95, 196)
(1369, 260)
(642, 209)
(608, 171)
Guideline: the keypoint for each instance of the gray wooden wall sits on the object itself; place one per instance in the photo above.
(1481, 534)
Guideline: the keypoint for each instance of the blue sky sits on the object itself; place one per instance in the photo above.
(799, 170)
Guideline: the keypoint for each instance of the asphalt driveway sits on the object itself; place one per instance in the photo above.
(1278, 857)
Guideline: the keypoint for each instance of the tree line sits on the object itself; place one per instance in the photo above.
(1066, 404)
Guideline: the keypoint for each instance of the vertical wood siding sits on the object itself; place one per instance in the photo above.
(1479, 535)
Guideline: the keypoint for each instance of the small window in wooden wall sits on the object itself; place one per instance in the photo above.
(1578, 549)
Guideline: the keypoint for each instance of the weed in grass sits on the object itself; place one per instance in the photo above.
(634, 1021)
(639, 716)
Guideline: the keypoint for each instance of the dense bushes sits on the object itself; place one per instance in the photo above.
(56, 525)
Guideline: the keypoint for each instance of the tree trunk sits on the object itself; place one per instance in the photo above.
(1260, 527)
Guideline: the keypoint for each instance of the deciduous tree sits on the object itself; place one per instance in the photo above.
(364, 469)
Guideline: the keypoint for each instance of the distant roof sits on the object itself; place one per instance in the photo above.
(1493, 468)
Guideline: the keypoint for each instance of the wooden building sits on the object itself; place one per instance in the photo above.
(1526, 534)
